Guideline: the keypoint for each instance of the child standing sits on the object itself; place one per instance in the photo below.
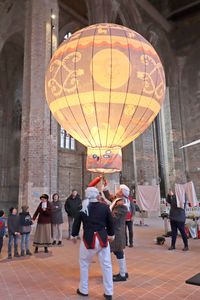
(2, 229)
(25, 229)
(13, 232)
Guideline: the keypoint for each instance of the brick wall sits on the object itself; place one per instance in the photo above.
(72, 171)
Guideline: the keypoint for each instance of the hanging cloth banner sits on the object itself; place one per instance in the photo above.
(149, 197)
(189, 190)
(191, 194)
(180, 194)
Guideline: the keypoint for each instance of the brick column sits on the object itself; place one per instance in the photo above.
(38, 161)
(145, 158)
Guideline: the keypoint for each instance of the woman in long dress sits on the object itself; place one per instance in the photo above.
(42, 237)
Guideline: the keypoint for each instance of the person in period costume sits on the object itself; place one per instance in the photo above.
(42, 237)
(119, 208)
(72, 206)
(177, 221)
(57, 219)
(97, 231)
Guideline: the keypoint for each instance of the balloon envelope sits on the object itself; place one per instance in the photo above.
(105, 85)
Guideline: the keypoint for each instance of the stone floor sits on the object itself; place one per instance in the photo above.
(154, 272)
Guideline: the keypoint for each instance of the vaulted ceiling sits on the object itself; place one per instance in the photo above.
(169, 9)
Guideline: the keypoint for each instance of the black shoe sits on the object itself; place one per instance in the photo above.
(22, 253)
(46, 250)
(36, 250)
(16, 255)
(28, 252)
(81, 294)
(54, 243)
(119, 278)
(9, 256)
(171, 248)
(131, 246)
(107, 297)
(185, 248)
(117, 275)
(59, 243)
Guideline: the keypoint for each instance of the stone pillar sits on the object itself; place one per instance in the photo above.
(166, 144)
(181, 61)
(145, 158)
(102, 11)
(172, 137)
(38, 161)
(176, 138)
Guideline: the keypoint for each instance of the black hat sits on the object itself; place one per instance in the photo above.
(44, 196)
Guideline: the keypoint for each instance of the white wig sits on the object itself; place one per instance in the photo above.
(91, 194)
(125, 190)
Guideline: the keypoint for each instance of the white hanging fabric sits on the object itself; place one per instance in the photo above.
(191, 194)
(185, 189)
(148, 197)
(180, 194)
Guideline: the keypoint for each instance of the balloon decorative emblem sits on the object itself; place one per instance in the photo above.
(104, 86)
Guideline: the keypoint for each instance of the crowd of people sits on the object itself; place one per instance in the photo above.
(48, 230)
(105, 221)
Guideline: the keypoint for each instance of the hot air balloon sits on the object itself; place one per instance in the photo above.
(104, 86)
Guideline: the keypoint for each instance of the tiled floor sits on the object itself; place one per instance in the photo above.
(154, 272)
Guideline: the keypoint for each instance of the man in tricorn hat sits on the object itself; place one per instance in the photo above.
(97, 230)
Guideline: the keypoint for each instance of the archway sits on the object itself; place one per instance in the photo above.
(11, 66)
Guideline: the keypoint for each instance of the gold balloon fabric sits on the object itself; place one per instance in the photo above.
(104, 86)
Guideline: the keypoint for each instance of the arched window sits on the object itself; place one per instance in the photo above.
(66, 140)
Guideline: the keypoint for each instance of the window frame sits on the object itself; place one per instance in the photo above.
(66, 141)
